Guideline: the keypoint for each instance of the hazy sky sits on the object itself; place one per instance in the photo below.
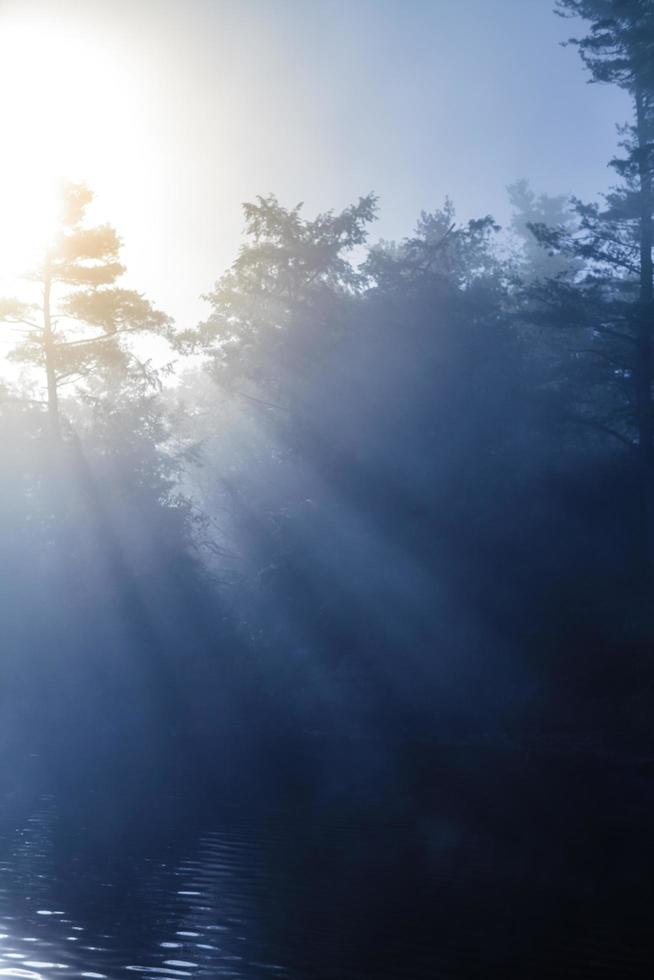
(177, 112)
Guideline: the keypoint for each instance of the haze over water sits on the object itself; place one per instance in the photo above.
(326, 489)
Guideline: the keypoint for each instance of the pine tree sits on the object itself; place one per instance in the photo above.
(616, 240)
(77, 327)
(279, 298)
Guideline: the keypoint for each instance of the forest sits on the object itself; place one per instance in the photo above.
(387, 497)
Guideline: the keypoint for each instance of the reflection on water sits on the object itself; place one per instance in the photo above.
(477, 875)
(200, 906)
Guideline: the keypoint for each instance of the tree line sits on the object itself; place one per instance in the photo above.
(389, 479)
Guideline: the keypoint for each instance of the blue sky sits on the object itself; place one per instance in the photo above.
(202, 104)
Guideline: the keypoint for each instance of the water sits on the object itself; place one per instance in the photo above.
(477, 863)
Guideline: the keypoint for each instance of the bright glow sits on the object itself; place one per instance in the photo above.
(61, 95)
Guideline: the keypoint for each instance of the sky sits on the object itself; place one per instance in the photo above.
(175, 113)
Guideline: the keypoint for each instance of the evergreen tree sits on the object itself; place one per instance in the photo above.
(533, 261)
(76, 328)
(285, 286)
(614, 303)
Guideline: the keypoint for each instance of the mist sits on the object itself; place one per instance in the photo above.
(327, 511)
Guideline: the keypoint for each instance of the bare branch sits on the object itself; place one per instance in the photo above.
(597, 353)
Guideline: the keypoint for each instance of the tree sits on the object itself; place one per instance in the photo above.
(78, 326)
(613, 303)
(441, 249)
(535, 262)
(284, 286)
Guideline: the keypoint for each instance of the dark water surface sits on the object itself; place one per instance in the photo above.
(473, 862)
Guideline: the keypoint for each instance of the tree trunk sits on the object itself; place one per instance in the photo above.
(643, 373)
(49, 352)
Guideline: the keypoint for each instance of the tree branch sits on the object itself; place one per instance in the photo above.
(598, 353)
(610, 332)
(600, 426)
(18, 320)
(89, 340)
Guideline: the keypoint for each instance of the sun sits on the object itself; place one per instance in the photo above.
(62, 91)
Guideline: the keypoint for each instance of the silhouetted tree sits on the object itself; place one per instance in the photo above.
(76, 328)
(289, 277)
(616, 302)
(534, 261)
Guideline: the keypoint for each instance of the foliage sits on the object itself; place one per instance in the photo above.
(77, 330)
(291, 269)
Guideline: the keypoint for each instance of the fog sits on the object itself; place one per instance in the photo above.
(326, 603)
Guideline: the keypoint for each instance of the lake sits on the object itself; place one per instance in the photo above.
(427, 861)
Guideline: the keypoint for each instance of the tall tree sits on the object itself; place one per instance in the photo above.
(616, 240)
(77, 326)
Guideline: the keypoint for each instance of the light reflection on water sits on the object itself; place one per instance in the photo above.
(201, 907)
(519, 870)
